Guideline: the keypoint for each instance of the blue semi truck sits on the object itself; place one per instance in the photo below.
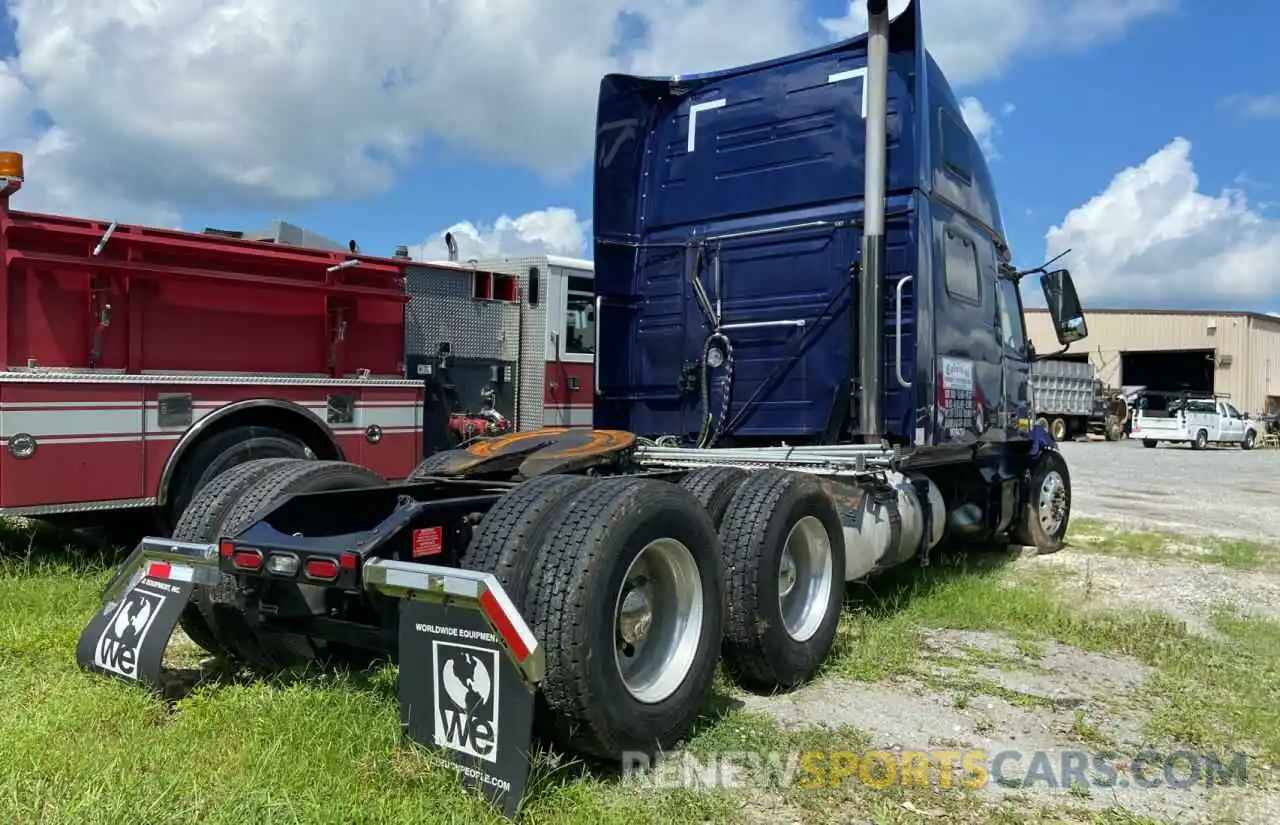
(811, 366)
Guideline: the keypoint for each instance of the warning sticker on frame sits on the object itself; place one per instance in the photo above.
(957, 402)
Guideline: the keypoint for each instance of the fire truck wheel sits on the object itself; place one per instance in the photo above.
(277, 651)
(784, 557)
(1046, 509)
(501, 543)
(202, 522)
(224, 450)
(628, 603)
(713, 487)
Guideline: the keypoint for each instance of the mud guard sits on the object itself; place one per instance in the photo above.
(469, 665)
(127, 638)
(469, 669)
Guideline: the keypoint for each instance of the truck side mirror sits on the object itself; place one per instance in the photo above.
(1064, 307)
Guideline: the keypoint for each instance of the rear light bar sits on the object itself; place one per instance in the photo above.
(288, 565)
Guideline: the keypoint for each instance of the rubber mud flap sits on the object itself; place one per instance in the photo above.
(462, 697)
(502, 543)
(126, 639)
(219, 605)
(582, 564)
(714, 488)
(202, 522)
(771, 507)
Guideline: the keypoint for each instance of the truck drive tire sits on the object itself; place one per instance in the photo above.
(202, 521)
(222, 451)
(502, 543)
(1058, 429)
(1202, 440)
(628, 603)
(1046, 509)
(714, 487)
(784, 561)
(274, 651)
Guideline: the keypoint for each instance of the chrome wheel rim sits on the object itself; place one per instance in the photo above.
(658, 620)
(1052, 504)
(805, 574)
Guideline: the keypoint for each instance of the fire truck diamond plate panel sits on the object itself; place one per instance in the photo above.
(442, 308)
(534, 349)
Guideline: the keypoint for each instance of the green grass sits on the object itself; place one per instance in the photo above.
(1093, 536)
(76, 748)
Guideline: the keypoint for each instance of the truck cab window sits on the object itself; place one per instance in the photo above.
(1012, 331)
(580, 325)
(961, 262)
(1233, 412)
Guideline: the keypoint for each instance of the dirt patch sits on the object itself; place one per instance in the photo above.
(1055, 723)
(1187, 591)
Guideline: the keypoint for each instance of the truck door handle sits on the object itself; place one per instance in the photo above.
(595, 356)
(902, 381)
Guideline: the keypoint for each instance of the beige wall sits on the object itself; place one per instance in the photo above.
(1253, 344)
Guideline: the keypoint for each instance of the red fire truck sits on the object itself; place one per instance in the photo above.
(138, 363)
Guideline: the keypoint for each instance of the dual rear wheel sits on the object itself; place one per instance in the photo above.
(636, 588)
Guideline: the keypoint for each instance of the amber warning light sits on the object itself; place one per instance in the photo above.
(11, 165)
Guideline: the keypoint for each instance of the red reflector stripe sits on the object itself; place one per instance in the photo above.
(503, 625)
(158, 570)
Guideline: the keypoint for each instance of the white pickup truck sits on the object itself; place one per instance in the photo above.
(1195, 421)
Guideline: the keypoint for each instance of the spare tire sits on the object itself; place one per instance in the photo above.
(274, 651)
(628, 604)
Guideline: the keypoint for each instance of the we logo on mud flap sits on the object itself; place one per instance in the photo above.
(118, 646)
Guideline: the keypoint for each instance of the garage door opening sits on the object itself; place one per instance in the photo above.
(1169, 371)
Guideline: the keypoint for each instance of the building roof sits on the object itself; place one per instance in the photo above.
(1271, 317)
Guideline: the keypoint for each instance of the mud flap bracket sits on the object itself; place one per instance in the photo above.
(469, 670)
(127, 638)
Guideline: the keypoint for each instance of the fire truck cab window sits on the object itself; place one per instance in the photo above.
(580, 318)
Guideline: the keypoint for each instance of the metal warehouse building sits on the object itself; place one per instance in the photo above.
(1224, 352)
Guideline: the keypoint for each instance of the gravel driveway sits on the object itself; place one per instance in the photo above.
(1224, 490)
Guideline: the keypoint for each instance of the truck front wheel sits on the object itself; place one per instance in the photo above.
(1046, 508)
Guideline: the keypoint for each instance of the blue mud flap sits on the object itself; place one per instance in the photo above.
(469, 670)
(127, 638)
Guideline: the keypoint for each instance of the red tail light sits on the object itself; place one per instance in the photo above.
(247, 560)
(322, 569)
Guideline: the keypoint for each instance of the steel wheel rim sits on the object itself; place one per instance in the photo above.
(1052, 504)
(658, 620)
(805, 573)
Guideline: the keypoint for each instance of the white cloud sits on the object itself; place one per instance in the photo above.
(976, 40)
(1262, 107)
(1151, 238)
(552, 231)
(127, 109)
(982, 124)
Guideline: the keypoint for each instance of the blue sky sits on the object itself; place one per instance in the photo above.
(1077, 90)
